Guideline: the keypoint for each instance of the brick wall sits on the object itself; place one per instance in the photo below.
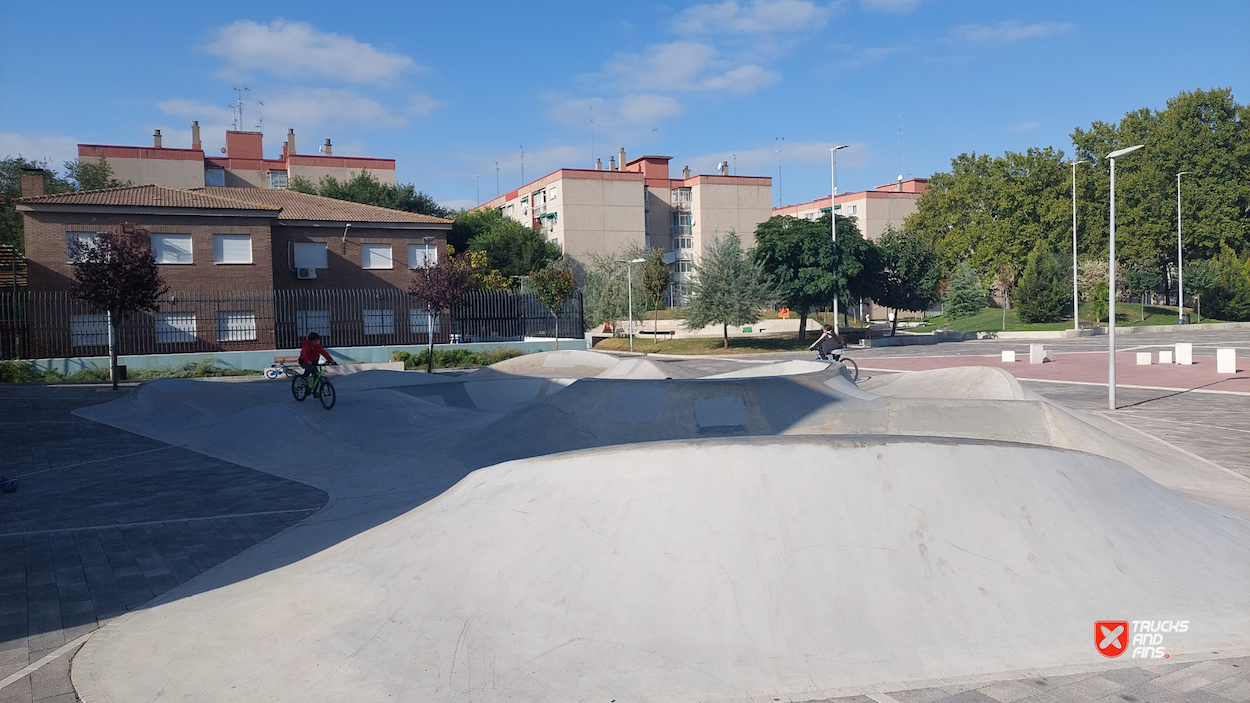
(344, 256)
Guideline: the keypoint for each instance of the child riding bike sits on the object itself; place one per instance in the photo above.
(828, 343)
(310, 353)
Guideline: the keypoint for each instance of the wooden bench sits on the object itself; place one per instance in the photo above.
(286, 361)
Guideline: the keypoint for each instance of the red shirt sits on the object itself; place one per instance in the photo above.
(310, 352)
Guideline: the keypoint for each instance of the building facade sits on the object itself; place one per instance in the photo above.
(886, 205)
(241, 163)
(597, 212)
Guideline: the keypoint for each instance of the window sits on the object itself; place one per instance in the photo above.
(683, 243)
(310, 255)
(232, 248)
(172, 248)
(312, 321)
(89, 330)
(376, 256)
(854, 209)
(681, 197)
(681, 222)
(540, 198)
(215, 177)
(683, 266)
(277, 179)
(421, 256)
(236, 325)
(379, 321)
(551, 192)
(525, 198)
(87, 239)
(419, 322)
(174, 327)
(509, 210)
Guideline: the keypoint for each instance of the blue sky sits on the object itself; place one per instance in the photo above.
(451, 89)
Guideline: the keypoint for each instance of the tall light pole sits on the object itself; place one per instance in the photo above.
(1180, 262)
(1076, 313)
(629, 268)
(833, 224)
(1111, 283)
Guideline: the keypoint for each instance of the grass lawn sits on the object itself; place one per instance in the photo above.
(991, 320)
(709, 345)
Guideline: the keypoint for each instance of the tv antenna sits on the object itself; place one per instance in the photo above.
(591, 109)
(522, 164)
(238, 106)
(260, 119)
(900, 147)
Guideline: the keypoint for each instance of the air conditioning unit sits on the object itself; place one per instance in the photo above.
(305, 274)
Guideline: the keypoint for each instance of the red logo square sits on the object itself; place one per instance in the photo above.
(1111, 637)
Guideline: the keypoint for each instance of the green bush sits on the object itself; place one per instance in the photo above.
(1042, 293)
(15, 371)
(453, 358)
(1223, 284)
(964, 295)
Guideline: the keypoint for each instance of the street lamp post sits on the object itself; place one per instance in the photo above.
(833, 226)
(629, 276)
(1180, 262)
(1076, 313)
(1111, 283)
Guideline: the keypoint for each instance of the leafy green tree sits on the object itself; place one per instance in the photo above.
(606, 295)
(436, 288)
(1223, 285)
(365, 188)
(965, 296)
(798, 256)
(1100, 300)
(1140, 279)
(92, 175)
(11, 168)
(655, 280)
(555, 285)
(1042, 292)
(729, 288)
(514, 249)
(909, 278)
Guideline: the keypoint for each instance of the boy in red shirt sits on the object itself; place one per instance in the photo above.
(311, 352)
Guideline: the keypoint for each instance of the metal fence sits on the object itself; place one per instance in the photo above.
(54, 324)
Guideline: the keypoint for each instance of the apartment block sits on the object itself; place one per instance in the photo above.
(240, 164)
(595, 212)
(875, 209)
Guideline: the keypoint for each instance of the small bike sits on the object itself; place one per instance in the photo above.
(315, 384)
(279, 369)
(836, 355)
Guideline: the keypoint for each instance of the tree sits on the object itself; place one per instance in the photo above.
(909, 279)
(89, 175)
(964, 294)
(729, 287)
(1042, 292)
(1141, 279)
(436, 288)
(365, 188)
(1223, 284)
(655, 280)
(116, 273)
(11, 168)
(516, 250)
(555, 285)
(798, 256)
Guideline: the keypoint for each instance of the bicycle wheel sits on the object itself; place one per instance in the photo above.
(299, 387)
(852, 368)
(326, 394)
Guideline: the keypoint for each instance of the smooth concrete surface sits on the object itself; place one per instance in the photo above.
(1165, 357)
(541, 531)
(1143, 358)
(1184, 353)
(1226, 361)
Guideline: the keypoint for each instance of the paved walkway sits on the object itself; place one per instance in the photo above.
(105, 520)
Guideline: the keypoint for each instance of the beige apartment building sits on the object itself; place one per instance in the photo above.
(241, 163)
(591, 212)
(875, 209)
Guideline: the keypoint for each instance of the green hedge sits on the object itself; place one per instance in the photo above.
(23, 372)
(454, 358)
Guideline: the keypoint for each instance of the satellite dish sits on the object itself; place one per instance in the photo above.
(223, 150)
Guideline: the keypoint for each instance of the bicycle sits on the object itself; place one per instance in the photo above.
(318, 385)
(851, 367)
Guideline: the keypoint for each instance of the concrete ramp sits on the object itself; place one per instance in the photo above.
(705, 570)
(980, 382)
(574, 363)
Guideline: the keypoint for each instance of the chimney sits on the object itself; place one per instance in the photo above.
(33, 183)
(620, 161)
(598, 164)
(611, 163)
(724, 168)
(156, 139)
(900, 183)
(195, 135)
(685, 172)
(328, 151)
(290, 142)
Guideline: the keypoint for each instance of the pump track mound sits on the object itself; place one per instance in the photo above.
(573, 527)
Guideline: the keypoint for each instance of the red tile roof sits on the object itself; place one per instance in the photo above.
(149, 196)
(302, 206)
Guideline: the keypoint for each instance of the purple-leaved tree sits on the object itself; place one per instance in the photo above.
(116, 273)
(438, 287)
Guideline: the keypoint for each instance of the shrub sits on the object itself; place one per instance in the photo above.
(453, 358)
(1042, 293)
(15, 371)
(964, 295)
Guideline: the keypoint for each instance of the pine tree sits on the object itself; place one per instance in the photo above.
(1042, 293)
(729, 289)
(964, 295)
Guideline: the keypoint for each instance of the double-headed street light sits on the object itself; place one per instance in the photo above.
(629, 268)
(833, 220)
(1076, 313)
(1180, 263)
(1111, 283)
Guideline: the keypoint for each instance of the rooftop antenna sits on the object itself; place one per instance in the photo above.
(260, 120)
(496, 179)
(522, 164)
(656, 130)
(900, 147)
(591, 109)
(238, 120)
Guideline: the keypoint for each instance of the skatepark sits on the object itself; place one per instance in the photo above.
(575, 526)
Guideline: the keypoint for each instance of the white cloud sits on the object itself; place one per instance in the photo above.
(755, 17)
(869, 56)
(54, 150)
(895, 6)
(315, 107)
(298, 50)
(615, 116)
(685, 67)
(1009, 31)
(1025, 127)
(420, 105)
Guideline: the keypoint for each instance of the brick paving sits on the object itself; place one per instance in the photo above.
(104, 521)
